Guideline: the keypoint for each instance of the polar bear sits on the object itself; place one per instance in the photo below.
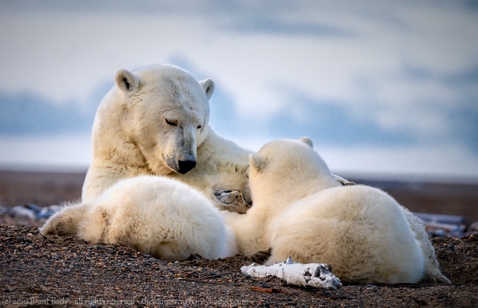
(300, 210)
(155, 215)
(154, 121)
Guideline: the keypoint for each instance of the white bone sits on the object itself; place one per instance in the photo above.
(311, 274)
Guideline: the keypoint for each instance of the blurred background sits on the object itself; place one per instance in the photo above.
(385, 90)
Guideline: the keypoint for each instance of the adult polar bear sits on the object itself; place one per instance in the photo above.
(154, 121)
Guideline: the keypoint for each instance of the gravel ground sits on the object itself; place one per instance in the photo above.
(38, 271)
(56, 271)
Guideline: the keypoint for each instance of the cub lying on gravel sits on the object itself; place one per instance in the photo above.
(155, 215)
(301, 211)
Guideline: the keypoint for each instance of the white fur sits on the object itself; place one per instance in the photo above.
(360, 231)
(152, 119)
(155, 215)
(301, 211)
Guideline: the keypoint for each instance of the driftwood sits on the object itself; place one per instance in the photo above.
(441, 218)
(443, 225)
(311, 274)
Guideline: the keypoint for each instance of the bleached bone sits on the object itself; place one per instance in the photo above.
(311, 274)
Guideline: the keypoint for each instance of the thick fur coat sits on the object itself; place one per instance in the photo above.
(154, 215)
(300, 210)
(154, 121)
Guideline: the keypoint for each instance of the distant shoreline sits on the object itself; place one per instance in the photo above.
(417, 194)
(368, 177)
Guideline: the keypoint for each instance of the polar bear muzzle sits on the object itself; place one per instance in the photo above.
(181, 164)
(184, 166)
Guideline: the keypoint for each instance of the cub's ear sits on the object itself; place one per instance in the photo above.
(208, 86)
(257, 162)
(127, 81)
(307, 141)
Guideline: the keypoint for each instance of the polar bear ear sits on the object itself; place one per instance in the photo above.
(126, 81)
(307, 141)
(208, 86)
(257, 162)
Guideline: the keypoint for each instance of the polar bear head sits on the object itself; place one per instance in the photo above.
(164, 114)
(289, 167)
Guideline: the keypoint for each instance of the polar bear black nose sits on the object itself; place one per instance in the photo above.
(186, 165)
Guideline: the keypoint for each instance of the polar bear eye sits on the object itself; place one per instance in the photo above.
(199, 127)
(172, 122)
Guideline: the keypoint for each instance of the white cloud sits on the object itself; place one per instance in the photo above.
(64, 55)
(433, 162)
(78, 50)
(442, 37)
(67, 152)
(436, 162)
(72, 152)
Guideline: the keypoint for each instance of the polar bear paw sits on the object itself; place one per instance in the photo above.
(228, 196)
(261, 257)
(232, 200)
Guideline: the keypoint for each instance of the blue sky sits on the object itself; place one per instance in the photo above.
(381, 88)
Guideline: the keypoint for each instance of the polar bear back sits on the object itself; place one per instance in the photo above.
(159, 216)
(360, 231)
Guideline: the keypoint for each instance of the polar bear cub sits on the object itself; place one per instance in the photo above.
(155, 215)
(301, 211)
